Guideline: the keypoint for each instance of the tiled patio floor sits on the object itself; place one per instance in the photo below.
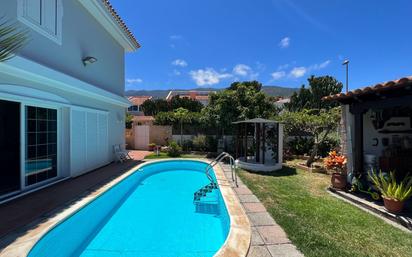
(268, 238)
(20, 213)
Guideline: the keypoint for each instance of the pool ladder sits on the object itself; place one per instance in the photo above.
(202, 192)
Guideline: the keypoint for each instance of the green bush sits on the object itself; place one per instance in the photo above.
(211, 144)
(187, 145)
(200, 143)
(326, 146)
(300, 145)
(174, 150)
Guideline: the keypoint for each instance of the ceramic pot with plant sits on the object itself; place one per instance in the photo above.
(152, 146)
(394, 193)
(337, 164)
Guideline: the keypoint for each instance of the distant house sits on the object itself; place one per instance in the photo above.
(280, 103)
(62, 104)
(137, 101)
(376, 127)
(201, 96)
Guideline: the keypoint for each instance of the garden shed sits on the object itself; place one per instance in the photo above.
(376, 127)
(259, 144)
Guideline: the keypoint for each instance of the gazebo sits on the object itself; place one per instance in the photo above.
(259, 144)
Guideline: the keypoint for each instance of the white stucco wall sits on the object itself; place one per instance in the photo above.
(82, 36)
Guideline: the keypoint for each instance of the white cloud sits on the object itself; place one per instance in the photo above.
(175, 37)
(179, 62)
(242, 70)
(208, 76)
(278, 75)
(285, 42)
(320, 65)
(298, 72)
(134, 81)
(176, 72)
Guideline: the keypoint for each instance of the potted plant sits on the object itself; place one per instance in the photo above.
(394, 193)
(337, 164)
(152, 146)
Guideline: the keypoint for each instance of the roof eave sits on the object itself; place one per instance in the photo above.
(98, 9)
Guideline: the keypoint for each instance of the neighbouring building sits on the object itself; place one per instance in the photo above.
(62, 104)
(136, 107)
(201, 96)
(376, 127)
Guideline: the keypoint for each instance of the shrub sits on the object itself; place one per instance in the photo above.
(211, 144)
(326, 146)
(200, 143)
(300, 145)
(390, 188)
(335, 162)
(174, 149)
(187, 145)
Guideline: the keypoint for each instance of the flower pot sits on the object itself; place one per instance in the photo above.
(338, 180)
(392, 205)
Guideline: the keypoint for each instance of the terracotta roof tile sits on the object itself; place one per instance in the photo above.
(138, 100)
(121, 23)
(389, 85)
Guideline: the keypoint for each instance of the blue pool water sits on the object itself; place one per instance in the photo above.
(150, 213)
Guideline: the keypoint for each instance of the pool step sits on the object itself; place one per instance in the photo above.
(202, 192)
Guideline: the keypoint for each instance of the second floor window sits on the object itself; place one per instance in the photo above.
(43, 16)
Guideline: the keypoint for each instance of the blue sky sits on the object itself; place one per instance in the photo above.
(193, 43)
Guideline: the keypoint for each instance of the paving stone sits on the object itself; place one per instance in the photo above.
(248, 199)
(258, 251)
(273, 234)
(283, 250)
(261, 219)
(243, 191)
(254, 207)
(256, 238)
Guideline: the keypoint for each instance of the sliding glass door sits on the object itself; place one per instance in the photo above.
(41, 144)
(9, 147)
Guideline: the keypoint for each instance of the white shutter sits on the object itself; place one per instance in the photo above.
(49, 16)
(78, 139)
(33, 11)
(89, 141)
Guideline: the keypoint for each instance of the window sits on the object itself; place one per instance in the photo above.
(41, 144)
(43, 16)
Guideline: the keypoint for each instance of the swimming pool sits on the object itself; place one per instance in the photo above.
(149, 213)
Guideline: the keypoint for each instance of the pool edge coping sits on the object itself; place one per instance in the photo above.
(236, 244)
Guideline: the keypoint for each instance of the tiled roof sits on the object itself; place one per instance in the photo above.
(138, 100)
(377, 88)
(143, 118)
(121, 23)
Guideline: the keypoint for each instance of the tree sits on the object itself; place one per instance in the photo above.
(311, 98)
(153, 107)
(11, 40)
(242, 100)
(318, 123)
(185, 102)
(181, 115)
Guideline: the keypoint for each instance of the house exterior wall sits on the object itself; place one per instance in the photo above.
(82, 36)
(346, 135)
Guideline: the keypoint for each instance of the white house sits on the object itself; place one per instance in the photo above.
(62, 104)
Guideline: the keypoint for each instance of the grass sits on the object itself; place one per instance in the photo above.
(320, 224)
(164, 156)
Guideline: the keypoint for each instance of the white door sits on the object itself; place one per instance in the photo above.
(89, 140)
(142, 137)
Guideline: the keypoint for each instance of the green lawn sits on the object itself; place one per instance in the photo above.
(320, 224)
(164, 156)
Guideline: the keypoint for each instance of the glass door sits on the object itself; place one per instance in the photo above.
(9, 147)
(41, 144)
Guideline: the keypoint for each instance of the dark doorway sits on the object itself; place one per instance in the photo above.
(9, 147)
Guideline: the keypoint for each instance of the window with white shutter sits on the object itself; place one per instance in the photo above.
(43, 16)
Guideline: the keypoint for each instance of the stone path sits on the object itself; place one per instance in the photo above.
(268, 238)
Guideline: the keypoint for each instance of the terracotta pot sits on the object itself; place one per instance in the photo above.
(338, 180)
(393, 205)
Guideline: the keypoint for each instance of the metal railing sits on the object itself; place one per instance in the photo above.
(218, 159)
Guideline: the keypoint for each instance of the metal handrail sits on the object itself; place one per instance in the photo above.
(219, 158)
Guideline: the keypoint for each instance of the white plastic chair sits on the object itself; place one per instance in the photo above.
(125, 151)
(120, 156)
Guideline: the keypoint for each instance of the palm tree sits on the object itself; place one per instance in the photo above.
(181, 114)
(11, 40)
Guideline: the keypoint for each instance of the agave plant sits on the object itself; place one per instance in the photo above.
(390, 188)
(11, 40)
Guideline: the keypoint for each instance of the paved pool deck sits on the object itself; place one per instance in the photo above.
(21, 214)
(268, 238)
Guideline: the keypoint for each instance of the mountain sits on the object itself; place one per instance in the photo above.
(270, 90)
